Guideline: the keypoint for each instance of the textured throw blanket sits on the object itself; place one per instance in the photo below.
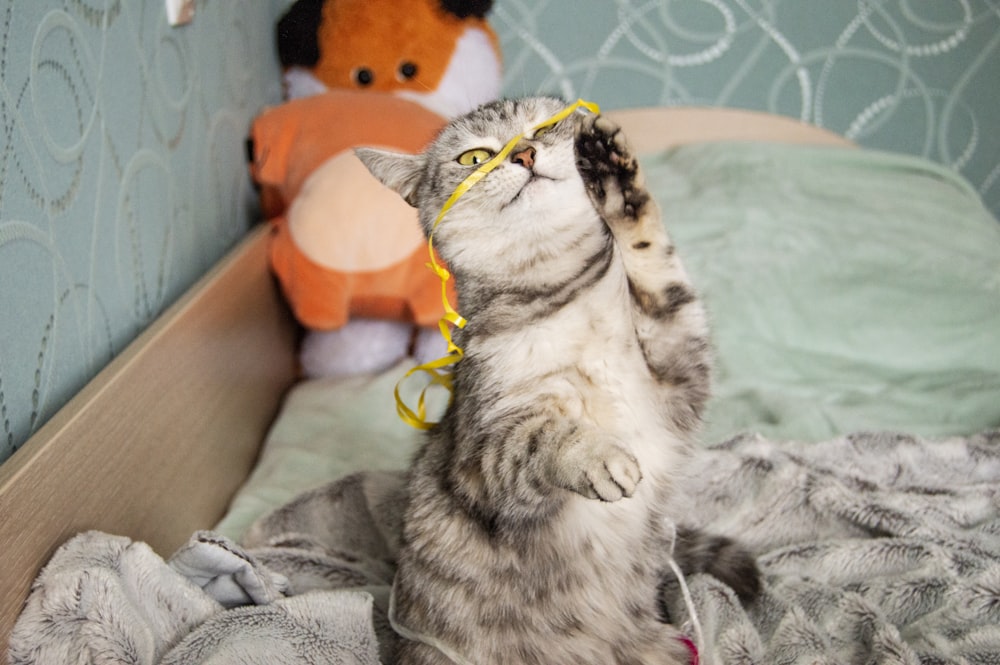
(876, 549)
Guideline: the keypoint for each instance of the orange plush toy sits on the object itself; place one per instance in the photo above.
(349, 254)
(440, 53)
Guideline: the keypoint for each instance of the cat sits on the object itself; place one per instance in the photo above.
(539, 520)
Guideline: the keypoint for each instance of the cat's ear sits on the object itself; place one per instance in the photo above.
(397, 171)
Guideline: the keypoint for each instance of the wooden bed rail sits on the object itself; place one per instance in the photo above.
(155, 445)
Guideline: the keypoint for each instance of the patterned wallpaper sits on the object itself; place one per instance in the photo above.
(914, 76)
(121, 152)
(122, 177)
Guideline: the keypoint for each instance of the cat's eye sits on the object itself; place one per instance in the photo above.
(475, 157)
(542, 131)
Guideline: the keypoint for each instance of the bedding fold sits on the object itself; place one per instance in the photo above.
(104, 599)
(876, 548)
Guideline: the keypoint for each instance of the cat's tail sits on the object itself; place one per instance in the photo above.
(696, 551)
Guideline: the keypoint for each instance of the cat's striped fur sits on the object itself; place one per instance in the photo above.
(537, 525)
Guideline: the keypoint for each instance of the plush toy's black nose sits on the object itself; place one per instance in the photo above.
(525, 157)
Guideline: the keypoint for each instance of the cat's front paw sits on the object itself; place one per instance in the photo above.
(610, 171)
(614, 477)
(596, 468)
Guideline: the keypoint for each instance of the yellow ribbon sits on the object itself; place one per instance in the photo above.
(436, 369)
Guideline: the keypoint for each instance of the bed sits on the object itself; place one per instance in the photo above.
(852, 441)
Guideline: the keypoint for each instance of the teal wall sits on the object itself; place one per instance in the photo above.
(122, 177)
(914, 76)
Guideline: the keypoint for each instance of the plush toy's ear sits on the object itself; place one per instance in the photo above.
(396, 170)
(298, 44)
(467, 8)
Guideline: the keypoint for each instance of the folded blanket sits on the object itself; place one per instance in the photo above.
(876, 548)
(105, 599)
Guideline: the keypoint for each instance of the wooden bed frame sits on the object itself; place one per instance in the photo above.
(155, 446)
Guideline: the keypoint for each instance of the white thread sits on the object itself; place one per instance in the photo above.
(699, 638)
(432, 642)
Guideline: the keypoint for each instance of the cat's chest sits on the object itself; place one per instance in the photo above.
(587, 355)
(593, 327)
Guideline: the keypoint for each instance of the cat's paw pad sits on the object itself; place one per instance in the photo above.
(609, 170)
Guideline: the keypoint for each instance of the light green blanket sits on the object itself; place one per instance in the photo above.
(848, 290)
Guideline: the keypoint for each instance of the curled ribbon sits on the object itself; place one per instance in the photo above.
(437, 369)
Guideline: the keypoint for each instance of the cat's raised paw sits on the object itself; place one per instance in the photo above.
(609, 170)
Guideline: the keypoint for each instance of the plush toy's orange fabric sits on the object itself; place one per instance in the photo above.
(363, 39)
(344, 245)
(440, 53)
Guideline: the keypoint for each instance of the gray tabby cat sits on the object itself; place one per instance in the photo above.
(538, 525)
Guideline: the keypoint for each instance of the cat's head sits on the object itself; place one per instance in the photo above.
(531, 201)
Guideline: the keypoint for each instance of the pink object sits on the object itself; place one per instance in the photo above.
(692, 648)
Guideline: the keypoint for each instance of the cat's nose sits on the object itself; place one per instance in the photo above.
(525, 157)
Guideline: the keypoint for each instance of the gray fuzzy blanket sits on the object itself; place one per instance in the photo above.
(876, 548)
